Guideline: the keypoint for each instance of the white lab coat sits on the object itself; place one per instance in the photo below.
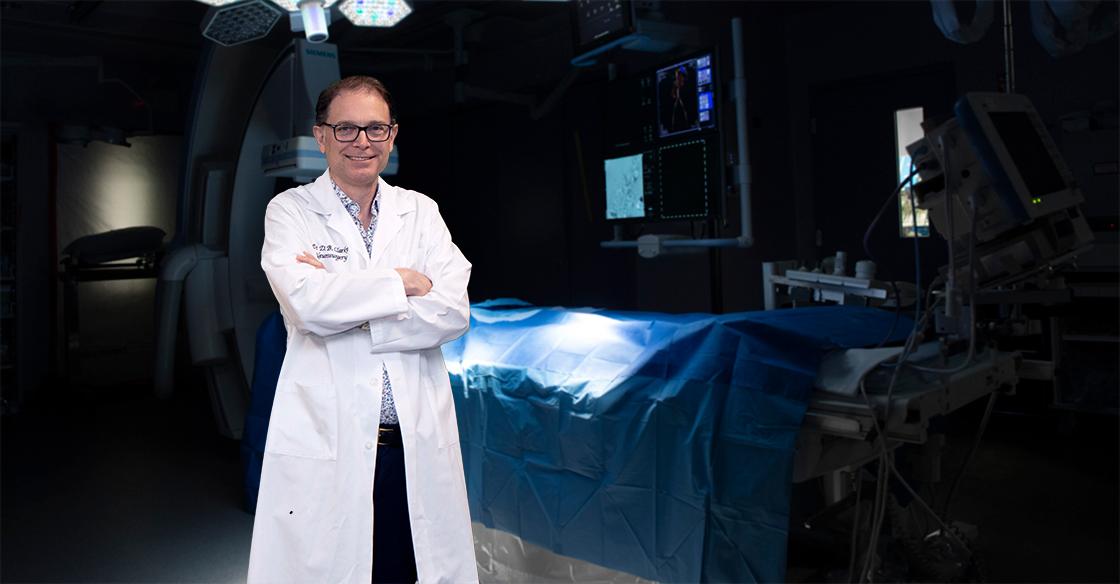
(314, 521)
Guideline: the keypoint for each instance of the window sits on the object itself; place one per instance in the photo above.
(907, 130)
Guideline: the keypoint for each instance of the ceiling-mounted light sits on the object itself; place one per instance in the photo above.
(314, 16)
(375, 12)
(294, 5)
(240, 23)
(314, 20)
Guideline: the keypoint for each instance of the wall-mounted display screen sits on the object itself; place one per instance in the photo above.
(685, 96)
(675, 180)
(663, 143)
(626, 193)
(598, 22)
(684, 179)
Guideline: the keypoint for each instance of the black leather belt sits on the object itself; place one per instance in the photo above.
(389, 435)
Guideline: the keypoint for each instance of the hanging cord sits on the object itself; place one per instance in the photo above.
(883, 209)
(897, 314)
(883, 477)
(1008, 49)
(917, 253)
(882, 482)
(971, 298)
(946, 506)
(855, 526)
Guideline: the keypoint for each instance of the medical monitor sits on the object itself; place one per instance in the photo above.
(995, 183)
(1023, 162)
(686, 96)
(684, 177)
(675, 180)
(663, 143)
(626, 187)
(600, 22)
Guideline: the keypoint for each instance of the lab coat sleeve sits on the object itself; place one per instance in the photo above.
(440, 316)
(318, 301)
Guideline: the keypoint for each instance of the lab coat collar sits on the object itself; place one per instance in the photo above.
(392, 206)
(324, 202)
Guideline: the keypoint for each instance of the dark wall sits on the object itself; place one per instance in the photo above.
(522, 190)
(524, 196)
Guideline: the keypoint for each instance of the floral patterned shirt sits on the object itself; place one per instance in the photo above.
(388, 406)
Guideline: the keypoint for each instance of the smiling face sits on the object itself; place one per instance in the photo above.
(354, 166)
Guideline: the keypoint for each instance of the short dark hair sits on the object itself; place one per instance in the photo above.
(352, 83)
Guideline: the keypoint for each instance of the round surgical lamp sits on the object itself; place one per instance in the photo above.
(378, 13)
(232, 22)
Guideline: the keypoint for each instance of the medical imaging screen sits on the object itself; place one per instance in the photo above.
(626, 197)
(1033, 161)
(685, 97)
(685, 179)
(596, 19)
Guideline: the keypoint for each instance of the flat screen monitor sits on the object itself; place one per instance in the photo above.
(686, 96)
(598, 22)
(1021, 159)
(684, 179)
(626, 187)
(672, 181)
(1035, 164)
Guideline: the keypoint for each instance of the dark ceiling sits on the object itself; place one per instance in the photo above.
(132, 64)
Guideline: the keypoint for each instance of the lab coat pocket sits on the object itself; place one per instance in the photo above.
(304, 421)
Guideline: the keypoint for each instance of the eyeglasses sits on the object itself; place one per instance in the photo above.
(349, 132)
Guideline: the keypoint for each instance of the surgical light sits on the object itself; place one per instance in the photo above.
(238, 23)
(314, 16)
(314, 21)
(381, 13)
(296, 5)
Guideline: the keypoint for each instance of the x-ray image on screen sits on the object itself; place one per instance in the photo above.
(625, 187)
(685, 101)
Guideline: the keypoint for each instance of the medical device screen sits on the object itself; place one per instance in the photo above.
(685, 179)
(685, 97)
(600, 21)
(626, 186)
(663, 143)
(1033, 161)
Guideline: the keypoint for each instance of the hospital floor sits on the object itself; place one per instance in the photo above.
(117, 486)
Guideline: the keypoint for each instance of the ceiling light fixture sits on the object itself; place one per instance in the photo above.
(379, 13)
(231, 24)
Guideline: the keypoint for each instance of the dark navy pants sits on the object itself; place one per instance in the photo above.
(393, 558)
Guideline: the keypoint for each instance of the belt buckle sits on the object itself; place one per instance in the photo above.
(385, 436)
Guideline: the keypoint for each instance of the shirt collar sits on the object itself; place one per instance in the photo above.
(351, 205)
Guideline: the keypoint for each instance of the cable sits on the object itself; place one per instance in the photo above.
(855, 526)
(886, 463)
(946, 506)
(950, 212)
(917, 253)
(883, 209)
(882, 480)
(897, 314)
(944, 528)
(888, 468)
(971, 299)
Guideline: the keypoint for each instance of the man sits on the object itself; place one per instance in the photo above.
(362, 477)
